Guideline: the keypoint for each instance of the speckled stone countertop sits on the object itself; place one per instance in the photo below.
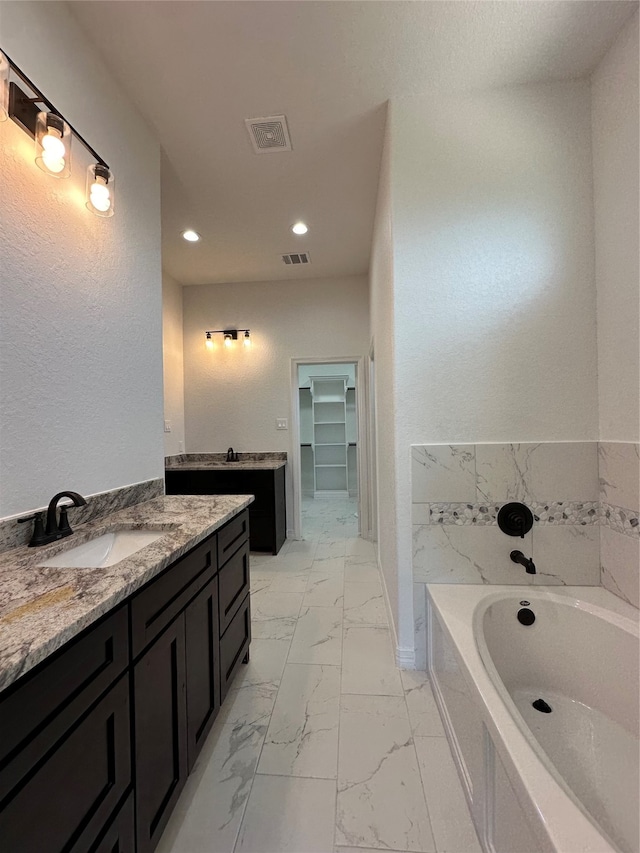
(218, 461)
(42, 608)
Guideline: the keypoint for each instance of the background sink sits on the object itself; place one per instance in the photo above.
(105, 550)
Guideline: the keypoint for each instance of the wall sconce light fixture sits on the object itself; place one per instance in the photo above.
(38, 117)
(228, 337)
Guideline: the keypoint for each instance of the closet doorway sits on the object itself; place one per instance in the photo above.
(329, 435)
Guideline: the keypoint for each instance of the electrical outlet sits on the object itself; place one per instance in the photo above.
(167, 426)
(282, 423)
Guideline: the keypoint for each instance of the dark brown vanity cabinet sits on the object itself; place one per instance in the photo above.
(65, 745)
(96, 743)
(267, 512)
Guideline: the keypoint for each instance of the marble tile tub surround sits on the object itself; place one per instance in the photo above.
(619, 469)
(42, 608)
(574, 489)
(199, 461)
(14, 535)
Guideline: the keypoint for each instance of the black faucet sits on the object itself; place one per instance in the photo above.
(231, 456)
(519, 557)
(55, 529)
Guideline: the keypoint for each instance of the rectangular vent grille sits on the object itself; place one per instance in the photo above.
(269, 134)
(297, 258)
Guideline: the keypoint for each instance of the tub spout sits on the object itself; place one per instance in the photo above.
(519, 557)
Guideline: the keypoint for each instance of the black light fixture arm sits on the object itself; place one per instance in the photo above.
(232, 332)
(40, 99)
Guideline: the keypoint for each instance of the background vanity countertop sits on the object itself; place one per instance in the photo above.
(42, 608)
(218, 461)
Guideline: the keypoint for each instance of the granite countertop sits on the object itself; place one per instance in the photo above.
(218, 461)
(42, 608)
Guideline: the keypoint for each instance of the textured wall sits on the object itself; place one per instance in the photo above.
(80, 311)
(173, 364)
(615, 179)
(233, 396)
(381, 283)
(494, 294)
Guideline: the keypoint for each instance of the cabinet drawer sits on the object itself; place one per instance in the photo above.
(61, 689)
(165, 596)
(64, 802)
(233, 585)
(232, 535)
(234, 645)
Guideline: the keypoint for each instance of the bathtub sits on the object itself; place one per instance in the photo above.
(561, 776)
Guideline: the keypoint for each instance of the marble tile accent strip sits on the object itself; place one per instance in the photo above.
(14, 535)
(625, 521)
(484, 514)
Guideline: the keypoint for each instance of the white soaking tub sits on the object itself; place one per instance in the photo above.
(561, 776)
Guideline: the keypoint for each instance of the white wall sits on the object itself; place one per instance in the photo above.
(494, 296)
(615, 172)
(173, 364)
(80, 313)
(381, 283)
(233, 396)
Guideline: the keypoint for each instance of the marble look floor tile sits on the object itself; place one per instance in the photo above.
(364, 604)
(380, 796)
(249, 704)
(451, 822)
(273, 616)
(367, 662)
(208, 814)
(359, 569)
(356, 546)
(341, 849)
(423, 711)
(302, 739)
(266, 664)
(289, 581)
(288, 815)
(318, 636)
(324, 589)
(331, 564)
(259, 583)
(330, 549)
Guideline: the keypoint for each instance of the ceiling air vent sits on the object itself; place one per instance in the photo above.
(297, 258)
(269, 134)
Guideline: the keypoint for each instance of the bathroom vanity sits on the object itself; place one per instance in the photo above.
(258, 474)
(111, 678)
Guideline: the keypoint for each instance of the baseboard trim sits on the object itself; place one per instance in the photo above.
(405, 658)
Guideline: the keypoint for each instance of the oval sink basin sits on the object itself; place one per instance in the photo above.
(105, 550)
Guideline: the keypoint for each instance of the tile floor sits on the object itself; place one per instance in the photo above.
(322, 744)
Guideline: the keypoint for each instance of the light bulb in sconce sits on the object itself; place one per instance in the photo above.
(4, 87)
(100, 190)
(247, 338)
(53, 145)
(209, 341)
(228, 339)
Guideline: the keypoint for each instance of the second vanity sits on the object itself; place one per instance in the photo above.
(111, 678)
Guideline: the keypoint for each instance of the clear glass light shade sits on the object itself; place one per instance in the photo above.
(247, 339)
(100, 190)
(53, 145)
(228, 340)
(209, 341)
(4, 87)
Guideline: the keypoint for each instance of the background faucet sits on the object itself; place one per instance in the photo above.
(231, 456)
(519, 557)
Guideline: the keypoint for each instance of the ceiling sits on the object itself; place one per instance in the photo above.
(196, 70)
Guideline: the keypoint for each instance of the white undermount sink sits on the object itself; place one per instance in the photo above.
(105, 550)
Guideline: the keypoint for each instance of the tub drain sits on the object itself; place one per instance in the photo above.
(542, 706)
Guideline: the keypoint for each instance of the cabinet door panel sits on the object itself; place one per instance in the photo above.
(120, 835)
(160, 733)
(66, 799)
(233, 580)
(165, 596)
(203, 667)
(234, 646)
(231, 536)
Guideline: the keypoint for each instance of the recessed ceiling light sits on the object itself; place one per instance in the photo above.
(191, 236)
(299, 228)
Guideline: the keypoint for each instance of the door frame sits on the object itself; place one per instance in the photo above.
(362, 450)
